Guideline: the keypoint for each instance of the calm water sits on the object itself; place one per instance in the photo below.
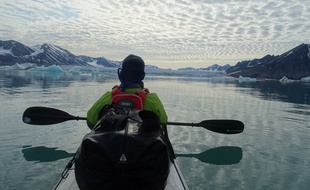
(272, 153)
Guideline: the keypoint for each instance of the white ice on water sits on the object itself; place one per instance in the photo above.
(161, 72)
(305, 79)
(33, 67)
(23, 66)
(52, 68)
(246, 79)
(286, 80)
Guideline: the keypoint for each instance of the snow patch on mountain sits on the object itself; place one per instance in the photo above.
(5, 51)
(37, 50)
(93, 63)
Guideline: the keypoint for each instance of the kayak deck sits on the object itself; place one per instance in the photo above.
(175, 180)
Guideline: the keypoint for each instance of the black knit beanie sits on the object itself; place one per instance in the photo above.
(132, 70)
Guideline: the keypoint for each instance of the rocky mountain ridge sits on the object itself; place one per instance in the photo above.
(12, 52)
(293, 64)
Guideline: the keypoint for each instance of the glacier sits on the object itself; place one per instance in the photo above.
(150, 71)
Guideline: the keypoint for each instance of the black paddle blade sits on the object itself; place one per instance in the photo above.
(222, 126)
(45, 116)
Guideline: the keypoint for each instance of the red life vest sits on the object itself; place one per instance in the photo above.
(129, 100)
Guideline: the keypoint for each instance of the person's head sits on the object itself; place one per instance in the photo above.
(132, 70)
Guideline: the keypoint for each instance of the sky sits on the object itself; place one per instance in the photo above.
(165, 33)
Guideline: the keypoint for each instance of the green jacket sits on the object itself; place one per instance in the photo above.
(152, 103)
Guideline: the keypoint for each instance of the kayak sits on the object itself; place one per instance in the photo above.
(124, 151)
(134, 147)
(175, 179)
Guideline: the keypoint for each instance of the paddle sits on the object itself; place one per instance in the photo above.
(49, 116)
(223, 126)
(225, 155)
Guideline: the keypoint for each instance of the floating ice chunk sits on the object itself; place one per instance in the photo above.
(22, 66)
(52, 68)
(305, 79)
(246, 79)
(286, 80)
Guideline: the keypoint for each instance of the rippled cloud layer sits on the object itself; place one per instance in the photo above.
(167, 33)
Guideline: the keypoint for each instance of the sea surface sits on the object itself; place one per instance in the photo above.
(272, 153)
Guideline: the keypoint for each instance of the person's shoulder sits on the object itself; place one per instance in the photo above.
(152, 95)
(107, 93)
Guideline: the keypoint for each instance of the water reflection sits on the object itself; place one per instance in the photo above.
(44, 154)
(225, 155)
(295, 92)
(44, 79)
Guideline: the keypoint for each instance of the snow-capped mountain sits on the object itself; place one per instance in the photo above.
(99, 61)
(251, 63)
(294, 64)
(151, 67)
(214, 67)
(49, 54)
(217, 67)
(12, 52)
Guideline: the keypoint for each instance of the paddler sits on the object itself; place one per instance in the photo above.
(130, 94)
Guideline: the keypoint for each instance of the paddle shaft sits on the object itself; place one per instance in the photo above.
(49, 116)
(183, 124)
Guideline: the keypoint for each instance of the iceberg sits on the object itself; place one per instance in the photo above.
(246, 79)
(52, 68)
(305, 79)
(22, 66)
(286, 80)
